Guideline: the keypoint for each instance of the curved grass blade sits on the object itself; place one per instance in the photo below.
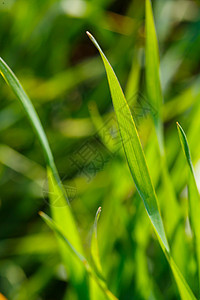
(133, 149)
(18, 90)
(61, 211)
(78, 255)
(138, 167)
(193, 195)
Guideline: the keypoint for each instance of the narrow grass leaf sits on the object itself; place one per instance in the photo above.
(62, 215)
(184, 289)
(94, 246)
(18, 90)
(78, 255)
(138, 167)
(154, 93)
(194, 198)
(133, 81)
(152, 63)
(133, 149)
(58, 200)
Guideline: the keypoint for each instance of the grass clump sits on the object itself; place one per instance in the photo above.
(148, 240)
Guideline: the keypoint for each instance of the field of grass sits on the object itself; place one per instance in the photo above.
(99, 150)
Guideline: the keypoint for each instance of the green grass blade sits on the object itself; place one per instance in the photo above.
(58, 231)
(95, 292)
(58, 199)
(153, 85)
(18, 90)
(94, 246)
(193, 195)
(133, 149)
(185, 146)
(155, 98)
(132, 85)
(62, 215)
(184, 289)
(78, 255)
(138, 167)
(152, 61)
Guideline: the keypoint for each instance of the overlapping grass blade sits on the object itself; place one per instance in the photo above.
(193, 195)
(60, 209)
(133, 150)
(62, 215)
(138, 167)
(78, 255)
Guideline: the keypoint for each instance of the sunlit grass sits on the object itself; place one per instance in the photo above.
(143, 242)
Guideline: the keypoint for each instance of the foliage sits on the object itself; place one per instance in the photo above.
(127, 160)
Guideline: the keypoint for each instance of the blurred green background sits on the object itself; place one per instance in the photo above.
(45, 44)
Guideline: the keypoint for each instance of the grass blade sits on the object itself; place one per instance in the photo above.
(155, 97)
(62, 215)
(153, 85)
(61, 211)
(18, 90)
(58, 231)
(152, 61)
(133, 149)
(78, 255)
(138, 167)
(193, 195)
(133, 81)
(94, 246)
